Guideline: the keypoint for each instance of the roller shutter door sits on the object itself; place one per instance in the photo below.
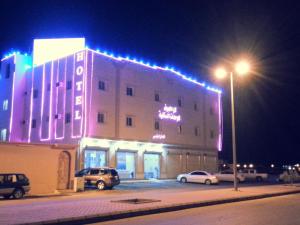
(211, 164)
(174, 165)
(193, 163)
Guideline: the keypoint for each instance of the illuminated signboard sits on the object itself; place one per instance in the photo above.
(45, 50)
(159, 136)
(78, 91)
(169, 113)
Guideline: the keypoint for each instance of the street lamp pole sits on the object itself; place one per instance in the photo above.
(241, 68)
(233, 134)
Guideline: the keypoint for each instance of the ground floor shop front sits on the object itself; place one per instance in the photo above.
(140, 160)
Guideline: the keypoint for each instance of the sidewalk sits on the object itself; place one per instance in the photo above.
(99, 207)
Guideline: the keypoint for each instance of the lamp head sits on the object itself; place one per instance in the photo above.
(242, 68)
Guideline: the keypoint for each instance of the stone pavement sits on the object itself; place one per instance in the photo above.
(96, 206)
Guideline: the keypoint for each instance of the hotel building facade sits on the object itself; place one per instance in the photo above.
(147, 121)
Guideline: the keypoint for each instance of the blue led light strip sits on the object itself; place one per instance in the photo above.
(145, 64)
(170, 69)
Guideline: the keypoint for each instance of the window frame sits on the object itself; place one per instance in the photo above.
(99, 116)
(5, 105)
(33, 123)
(157, 125)
(104, 85)
(129, 118)
(132, 92)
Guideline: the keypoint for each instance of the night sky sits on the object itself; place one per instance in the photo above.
(195, 37)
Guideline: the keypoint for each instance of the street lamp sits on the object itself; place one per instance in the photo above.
(241, 68)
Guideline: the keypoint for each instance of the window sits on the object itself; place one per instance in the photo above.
(1, 179)
(195, 107)
(3, 134)
(68, 118)
(156, 97)
(11, 178)
(103, 171)
(69, 85)
(7, 72)
(199, 173)
(35, 93)
(129, 91)
(57, 116)
(101, 118)
(212, 134)
(179, 129)
(33, 123)
(101, 85)
(129, 121)
(196, 131)
(179, 102)
(5, 105)
(21, 177)
(94, 171)
(156, 125)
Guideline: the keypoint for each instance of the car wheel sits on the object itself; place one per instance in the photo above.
(101, 185)
(208, 182)
(18, 193)
(259, 179)
(183, 180)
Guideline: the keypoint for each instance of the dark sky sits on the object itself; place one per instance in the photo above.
(194, 36)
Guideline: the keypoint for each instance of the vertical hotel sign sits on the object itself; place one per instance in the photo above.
(78, 81)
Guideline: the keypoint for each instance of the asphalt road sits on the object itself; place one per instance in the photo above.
(276, 211)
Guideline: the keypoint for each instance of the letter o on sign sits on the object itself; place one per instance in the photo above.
(79, 70)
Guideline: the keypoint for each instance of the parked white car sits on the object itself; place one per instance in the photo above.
(289, 176)
(228, 176)
(252, 174)
(197, 177)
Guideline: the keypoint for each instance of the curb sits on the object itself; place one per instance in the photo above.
(154, 210)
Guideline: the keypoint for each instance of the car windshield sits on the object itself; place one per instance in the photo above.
(83, 172)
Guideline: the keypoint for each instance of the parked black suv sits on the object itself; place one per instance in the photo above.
(102, 178)
(13, 184)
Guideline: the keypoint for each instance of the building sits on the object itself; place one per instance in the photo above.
(145, 120)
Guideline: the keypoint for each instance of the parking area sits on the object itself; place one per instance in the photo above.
(173, 185)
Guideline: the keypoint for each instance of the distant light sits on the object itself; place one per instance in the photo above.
(238, 165)
(251, 165)
(220, 73)
(272, 165)
(245, 165)
(242, 67)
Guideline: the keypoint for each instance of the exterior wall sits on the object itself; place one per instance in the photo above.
(54, 101)
(12, 118)
(40, 163)
(116, 105)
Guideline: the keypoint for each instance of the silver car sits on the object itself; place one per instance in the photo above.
(102, 178)
(198, 177)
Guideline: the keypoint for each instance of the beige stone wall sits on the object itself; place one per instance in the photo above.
(40, 163)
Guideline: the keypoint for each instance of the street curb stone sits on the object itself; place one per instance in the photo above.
(154, 210)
